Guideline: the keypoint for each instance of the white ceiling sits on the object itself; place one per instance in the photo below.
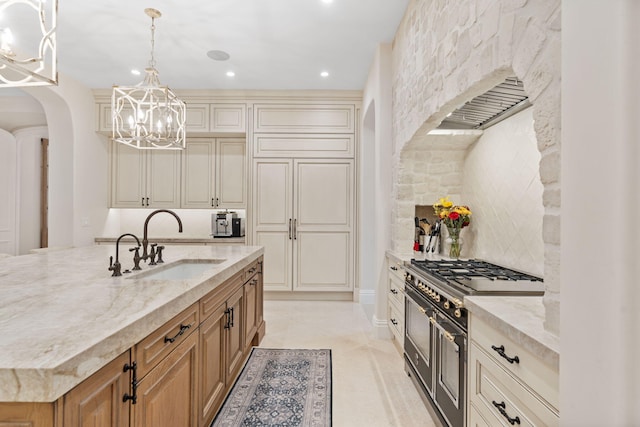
(273, 44)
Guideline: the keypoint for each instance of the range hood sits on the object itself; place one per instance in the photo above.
(491, 107)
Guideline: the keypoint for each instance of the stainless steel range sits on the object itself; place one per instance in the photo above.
(435, 343)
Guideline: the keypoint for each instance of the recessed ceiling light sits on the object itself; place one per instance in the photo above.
(230, 74)
(218, 55)
(324, 74)
(135, 72)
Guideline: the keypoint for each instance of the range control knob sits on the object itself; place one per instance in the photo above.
(457, 313)
(446, 305)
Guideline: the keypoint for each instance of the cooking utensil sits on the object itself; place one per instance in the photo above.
(437, 234)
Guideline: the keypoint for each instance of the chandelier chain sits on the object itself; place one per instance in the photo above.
(152, 61)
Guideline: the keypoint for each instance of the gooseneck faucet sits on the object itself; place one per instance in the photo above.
(115, 266)
(145, 241)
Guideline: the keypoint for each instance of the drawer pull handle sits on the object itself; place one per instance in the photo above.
(394, 268)
(182, 330)
(252, 270)
(394, 291)
(394, 321)
(133, 397)
(501, 407)
(500, 351)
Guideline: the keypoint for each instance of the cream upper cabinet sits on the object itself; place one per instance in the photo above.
(144, 178)
(201, 118)
(214, 173)
(304, 118)
(304, 217)
(228, 118)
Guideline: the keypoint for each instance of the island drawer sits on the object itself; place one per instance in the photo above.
(251, 270)
(210, 302)
(151, 350)
(528, 368)
(499, 396)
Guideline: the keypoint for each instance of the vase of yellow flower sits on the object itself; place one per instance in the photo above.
(455, 218)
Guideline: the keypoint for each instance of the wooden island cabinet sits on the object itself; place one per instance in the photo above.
(178, 376)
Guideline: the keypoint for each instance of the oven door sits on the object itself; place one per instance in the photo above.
(419, 337)
(450, 368)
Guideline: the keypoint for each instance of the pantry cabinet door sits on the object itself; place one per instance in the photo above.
(323, 229)
(273, 220)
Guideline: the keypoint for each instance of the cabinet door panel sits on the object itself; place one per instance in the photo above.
(272, 195)
(235, 335)
(278, 255)
(231, 173)
(250, 305)
(198, 174)
(323, 238)
(212, 372)
(127, 176)
(97, 401)
(323, 194)
(163, 178)
(323, 261)
(167, 396)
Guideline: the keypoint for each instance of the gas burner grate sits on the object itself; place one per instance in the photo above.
(470, 269)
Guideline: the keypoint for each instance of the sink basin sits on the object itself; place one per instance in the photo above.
(180, 270)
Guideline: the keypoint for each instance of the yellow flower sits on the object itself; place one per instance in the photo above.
(445, 202)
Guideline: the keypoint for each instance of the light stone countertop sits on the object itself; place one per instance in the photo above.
(177, 240)
(62, 317)
(521, 320)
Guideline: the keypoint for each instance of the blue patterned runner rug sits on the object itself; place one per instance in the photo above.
(280, 387)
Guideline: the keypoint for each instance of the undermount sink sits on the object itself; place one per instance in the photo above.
(180, 270)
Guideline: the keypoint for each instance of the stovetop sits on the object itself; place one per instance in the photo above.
(480, 277)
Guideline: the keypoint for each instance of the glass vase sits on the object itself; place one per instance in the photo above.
(455, 244)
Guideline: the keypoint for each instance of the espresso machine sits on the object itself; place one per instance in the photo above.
(222, 224)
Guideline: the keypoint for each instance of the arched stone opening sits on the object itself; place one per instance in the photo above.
(438, 66)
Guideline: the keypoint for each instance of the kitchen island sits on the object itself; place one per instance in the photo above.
(63, 317)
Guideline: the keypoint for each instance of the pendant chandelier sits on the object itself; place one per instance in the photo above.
(148, 116)
(28, 55)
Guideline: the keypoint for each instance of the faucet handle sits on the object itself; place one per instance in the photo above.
(152, 254)
(115, 267)
(136, 258)
(160, 260)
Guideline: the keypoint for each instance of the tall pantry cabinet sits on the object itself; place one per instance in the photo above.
(304, 196)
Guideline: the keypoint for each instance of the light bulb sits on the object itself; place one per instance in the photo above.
(6, 39)
(131, 122)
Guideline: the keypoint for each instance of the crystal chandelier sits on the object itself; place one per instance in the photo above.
(148, 116)
(28, 54)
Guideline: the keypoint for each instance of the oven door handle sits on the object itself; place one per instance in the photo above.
(451, 337)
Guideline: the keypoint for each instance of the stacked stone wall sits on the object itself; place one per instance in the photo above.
(448, 51)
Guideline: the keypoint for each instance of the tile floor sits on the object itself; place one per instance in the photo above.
(370, 387)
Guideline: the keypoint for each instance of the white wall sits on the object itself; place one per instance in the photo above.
(375, 209)
(77, 164)
(501, 184)
(600, 319)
